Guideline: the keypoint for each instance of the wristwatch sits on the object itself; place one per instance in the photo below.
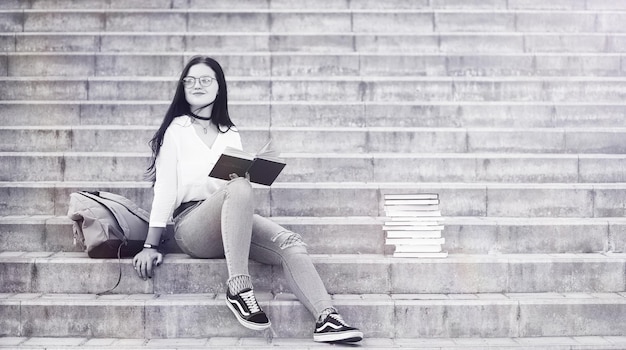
(148, 245)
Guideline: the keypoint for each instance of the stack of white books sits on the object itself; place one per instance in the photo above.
(414, 225)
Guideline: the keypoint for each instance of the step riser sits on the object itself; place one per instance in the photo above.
(155, 4)
(444, 43)
(421, 22)
(53, 236)
(338, 201)
(534, 320)
(161, 4)
(425, 43)
(93, 140)
(479, 169)
(320, 65)
(143, 114)
(118, 90)
(524, 239)
(352, 91)
(179, 275)
(338, 141)
(320, 239)
(320, 4)
(402, 319)
(305, 115)
(446, 91)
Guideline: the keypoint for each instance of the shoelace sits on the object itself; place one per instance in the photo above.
(250, 300)
(339, 319)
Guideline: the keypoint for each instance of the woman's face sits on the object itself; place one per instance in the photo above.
(200, 86)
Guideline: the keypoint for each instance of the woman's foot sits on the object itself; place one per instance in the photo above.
(247, 310)
(334, 329)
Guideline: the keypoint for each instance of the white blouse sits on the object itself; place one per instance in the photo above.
(183, 166)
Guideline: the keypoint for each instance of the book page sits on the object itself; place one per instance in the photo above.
(266, 152)
(237, 153)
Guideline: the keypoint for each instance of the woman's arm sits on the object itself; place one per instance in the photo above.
(165, 192)
(166, 183)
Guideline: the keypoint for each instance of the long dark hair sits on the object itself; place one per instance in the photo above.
(180, 106)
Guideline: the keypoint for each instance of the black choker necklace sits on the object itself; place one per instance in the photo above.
(199, 109)
(193, 115)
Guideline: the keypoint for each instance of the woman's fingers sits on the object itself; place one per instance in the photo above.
(145, 264)
(234, 176)
(155, 260)
(137, 267)
(141, 269)
(149, 269)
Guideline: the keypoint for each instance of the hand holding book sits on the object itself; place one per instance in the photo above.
(234, 176)
(263, 168)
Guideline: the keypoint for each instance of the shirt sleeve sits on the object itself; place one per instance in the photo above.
(166, 184)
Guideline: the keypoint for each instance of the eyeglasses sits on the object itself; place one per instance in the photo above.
(205, 81)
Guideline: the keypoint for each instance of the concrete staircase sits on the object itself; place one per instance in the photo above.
(512, 110)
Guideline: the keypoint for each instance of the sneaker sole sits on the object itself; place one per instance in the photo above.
(247, 324)
(344, 337)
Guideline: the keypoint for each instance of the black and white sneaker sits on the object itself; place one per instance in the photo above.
(334, 329)
(247, 310)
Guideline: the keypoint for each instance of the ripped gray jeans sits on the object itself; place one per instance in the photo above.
(225, 226)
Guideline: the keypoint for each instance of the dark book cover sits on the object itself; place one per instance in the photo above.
(265, 171)
(263, 168)
(228, 164)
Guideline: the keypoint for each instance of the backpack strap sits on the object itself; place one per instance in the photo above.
(130, 205)
(119, 275)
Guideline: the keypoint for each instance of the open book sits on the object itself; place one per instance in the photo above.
(263, 167)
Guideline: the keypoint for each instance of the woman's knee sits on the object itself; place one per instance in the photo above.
(239, 187)
(282, 248)
(287, 240)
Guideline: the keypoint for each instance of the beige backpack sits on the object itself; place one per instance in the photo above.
(107, 225)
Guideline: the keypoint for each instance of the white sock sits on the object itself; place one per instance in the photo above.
(327, 311)
(238, 283)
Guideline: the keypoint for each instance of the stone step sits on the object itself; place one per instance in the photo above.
(554, 89)
(441, 42)
(332, 167)
(599, 200)
(82, 64)
(326, 4)
(360, 235)
(379, 316)
(125, 139)
(43, 272)
(335, 20)
(364, 235)
(503, 114)
(269, 343)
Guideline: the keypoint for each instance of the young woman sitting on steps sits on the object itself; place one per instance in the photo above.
(214, 218)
